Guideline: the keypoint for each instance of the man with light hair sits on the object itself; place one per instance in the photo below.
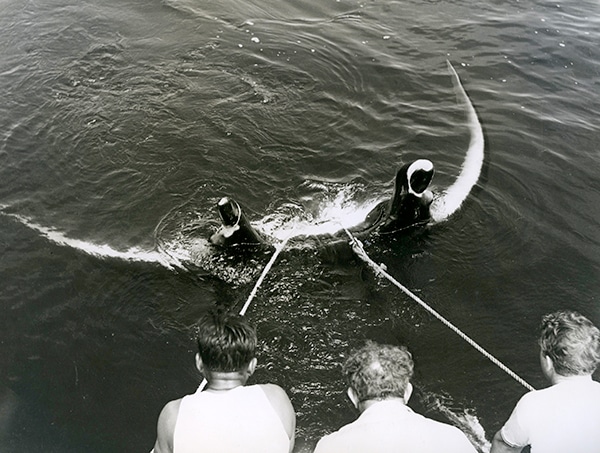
(565, 417)
(378, 378)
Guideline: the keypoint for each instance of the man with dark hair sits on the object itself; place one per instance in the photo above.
(227, 416)
(378, 378)
(565, 417)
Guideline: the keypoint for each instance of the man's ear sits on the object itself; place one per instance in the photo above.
(252, 366)
(547, 365)
(199, 364)
(353, 396)
(408, 392)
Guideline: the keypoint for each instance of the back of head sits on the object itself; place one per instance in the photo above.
(378, 372)
(226, 341)
(571, 341)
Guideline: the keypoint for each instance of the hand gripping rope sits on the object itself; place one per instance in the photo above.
(360, 251)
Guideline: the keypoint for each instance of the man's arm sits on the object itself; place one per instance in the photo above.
(166, 427)
(283, 406)
(499, 446)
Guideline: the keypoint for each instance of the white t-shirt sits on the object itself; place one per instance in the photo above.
(390, 426)
(564, 418)
(237, 420)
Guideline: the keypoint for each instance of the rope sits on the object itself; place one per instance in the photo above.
(267, 268)
(360, 251)
(264, 273)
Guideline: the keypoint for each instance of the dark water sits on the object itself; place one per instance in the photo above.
(124, 122)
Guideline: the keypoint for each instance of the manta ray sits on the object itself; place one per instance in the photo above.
(412, 203)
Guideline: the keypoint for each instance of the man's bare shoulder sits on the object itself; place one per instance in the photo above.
(171, 409)
(282, 405)
(166, 427)
(278, 397)
(273, 390)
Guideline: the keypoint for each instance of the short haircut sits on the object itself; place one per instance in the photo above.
(226, 341)
(378, 372)
(571, 341)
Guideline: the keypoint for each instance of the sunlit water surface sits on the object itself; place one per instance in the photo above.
(123, 122)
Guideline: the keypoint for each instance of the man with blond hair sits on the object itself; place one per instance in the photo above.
(565, 417)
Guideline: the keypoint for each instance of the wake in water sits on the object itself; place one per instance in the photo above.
(182, 243)
(99, 250)
(453, 197)
(180, 252)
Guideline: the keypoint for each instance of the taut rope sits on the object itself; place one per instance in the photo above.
(264, 273)
(360, 251)
(267, 268)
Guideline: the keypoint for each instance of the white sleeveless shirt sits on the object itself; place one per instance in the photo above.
(237, 420)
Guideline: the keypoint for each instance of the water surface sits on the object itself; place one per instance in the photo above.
(124, 122)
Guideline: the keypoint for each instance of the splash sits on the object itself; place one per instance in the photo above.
(333, 211)
(462, 418)
(196, 252)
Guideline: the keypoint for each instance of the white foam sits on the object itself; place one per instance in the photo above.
(331, 217)
(464, 419)
(453, 197)
(101, 250)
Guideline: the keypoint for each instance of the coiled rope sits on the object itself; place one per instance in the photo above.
(360, 251)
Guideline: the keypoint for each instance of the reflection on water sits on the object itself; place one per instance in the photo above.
(124, 122)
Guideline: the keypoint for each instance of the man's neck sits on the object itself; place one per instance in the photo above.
(364, 405)
(219, 381)
(558, 378)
